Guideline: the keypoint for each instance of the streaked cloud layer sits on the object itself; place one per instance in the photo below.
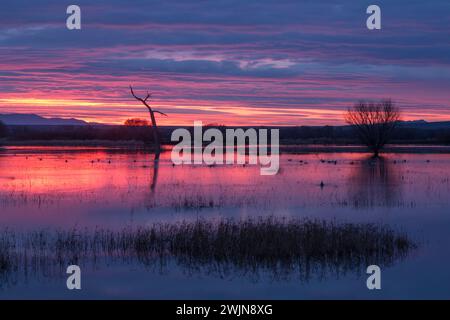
(232, 62)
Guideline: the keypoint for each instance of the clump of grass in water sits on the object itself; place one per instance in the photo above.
(283, 246)
(5, 258)
(280, 247)
(8, 258)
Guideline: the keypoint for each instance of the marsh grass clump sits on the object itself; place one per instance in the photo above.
(283, 246)
(8, 256)
(5, 258)
(225, 247)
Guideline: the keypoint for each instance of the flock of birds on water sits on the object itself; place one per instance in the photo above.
(321, 185)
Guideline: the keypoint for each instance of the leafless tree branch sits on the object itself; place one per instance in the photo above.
(152, 117)
(374, 122)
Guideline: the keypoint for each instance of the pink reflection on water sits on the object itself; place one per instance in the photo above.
(66, 186)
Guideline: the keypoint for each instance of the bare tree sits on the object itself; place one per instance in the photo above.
(152, 112)
(374, 122)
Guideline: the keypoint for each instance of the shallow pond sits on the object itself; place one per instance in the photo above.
(67, 188)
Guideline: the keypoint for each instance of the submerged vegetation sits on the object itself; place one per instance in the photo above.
(274, 246)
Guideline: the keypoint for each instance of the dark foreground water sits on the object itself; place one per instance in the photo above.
(65, 205)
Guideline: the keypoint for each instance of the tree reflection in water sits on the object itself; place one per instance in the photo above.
(376, 181)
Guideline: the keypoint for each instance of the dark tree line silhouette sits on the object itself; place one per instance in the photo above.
(288, 135)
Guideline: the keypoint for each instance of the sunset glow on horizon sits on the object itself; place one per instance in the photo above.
(304, 64)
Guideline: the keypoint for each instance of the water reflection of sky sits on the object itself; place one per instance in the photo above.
(40, 188)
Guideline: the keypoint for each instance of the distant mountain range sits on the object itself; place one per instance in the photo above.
(422, 124)
(34, 119)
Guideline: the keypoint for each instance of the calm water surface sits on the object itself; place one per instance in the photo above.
(63, 188)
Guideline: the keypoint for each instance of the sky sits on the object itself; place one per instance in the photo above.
(234, 62)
